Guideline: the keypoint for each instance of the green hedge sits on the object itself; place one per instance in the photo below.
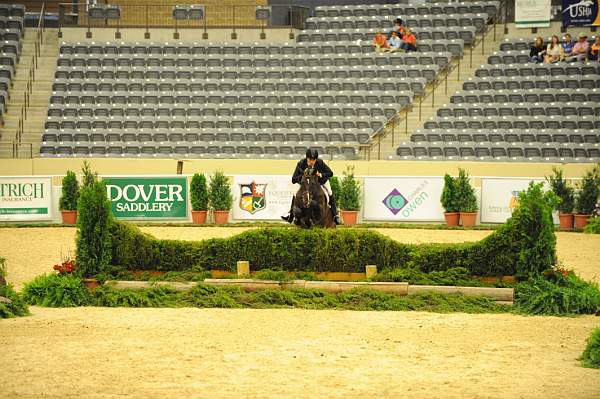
(524, 246)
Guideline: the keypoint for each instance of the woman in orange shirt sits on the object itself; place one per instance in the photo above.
(409, 41)
(380, 42)
(595, 49)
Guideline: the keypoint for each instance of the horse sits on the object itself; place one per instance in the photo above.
(310, 206)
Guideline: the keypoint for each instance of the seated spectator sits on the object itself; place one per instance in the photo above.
(580, 49)
(409, 41)
(380, 42)
(536, 54)
(554, 51)
(567, 45)
(394, 42)
(399, 28)
(595, 50)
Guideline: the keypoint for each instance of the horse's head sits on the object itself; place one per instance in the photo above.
(308, 183)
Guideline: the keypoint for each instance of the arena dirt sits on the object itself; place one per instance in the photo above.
(287, 353)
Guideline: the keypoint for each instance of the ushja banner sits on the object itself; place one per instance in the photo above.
(580, 12)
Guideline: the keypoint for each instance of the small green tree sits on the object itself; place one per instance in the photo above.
(449, 197)
(70, 192)
(219, 192)
(467, 202)
(334, 182)
(588, 194)
(89, 176)
(198, 192)
(94, 246)
(563, 191)
(349, 191)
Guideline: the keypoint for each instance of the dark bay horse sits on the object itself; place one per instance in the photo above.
(310, 203)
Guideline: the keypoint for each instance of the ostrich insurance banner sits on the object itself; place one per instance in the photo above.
(500, 196)
(532, 13)
(580, 12)
(25, 198)
(257, 197)
(403, 198)
(148, 197)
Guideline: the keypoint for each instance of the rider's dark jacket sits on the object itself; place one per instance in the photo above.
(321, 167)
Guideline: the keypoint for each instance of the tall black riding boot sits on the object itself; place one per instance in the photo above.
(333, 206)
(290, 217)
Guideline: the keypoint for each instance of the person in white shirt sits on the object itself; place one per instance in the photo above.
(394, 42)
(554, 51)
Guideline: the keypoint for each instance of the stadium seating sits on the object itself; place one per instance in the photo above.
(11, 33)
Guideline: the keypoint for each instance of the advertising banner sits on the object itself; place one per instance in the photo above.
(580, 12)
(532, 13)
(148, 197)
(403, 198)
(25, 198)
(499, 197)
(262, 197)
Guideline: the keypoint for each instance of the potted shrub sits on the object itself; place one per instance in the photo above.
(219, 197)
(565, 193)
(349, 199)
(199, 198)
(69, 197)
(467, 202)
(586, 199)
(449, 201)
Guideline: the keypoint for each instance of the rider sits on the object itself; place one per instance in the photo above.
(323, 172)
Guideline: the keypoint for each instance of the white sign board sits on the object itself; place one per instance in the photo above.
(499, 197)
(532, 13)
(403, 198)
(262, 197)
(25, 198)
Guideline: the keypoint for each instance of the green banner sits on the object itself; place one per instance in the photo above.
(24, 211)
(148, 197)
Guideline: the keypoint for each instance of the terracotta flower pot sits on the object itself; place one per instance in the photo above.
(581, 221)
(566, 220)
(69, 217)
(221, 217)
(349, 217)
(452, 218)
(468, 218)
(199, 217)
(91, 283)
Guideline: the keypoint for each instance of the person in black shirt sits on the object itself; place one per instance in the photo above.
(323, 171)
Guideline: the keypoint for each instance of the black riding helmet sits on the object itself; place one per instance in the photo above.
(312, 153)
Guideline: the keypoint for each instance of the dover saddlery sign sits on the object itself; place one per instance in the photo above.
(148, 197)
(25, 198)
(403, 198)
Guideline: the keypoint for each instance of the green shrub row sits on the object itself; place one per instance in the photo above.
(591, 354)
(16, 307)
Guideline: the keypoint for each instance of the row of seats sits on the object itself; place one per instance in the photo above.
(394, 10)
(526, 96)
(198, 124)
(181, 136)
(11, 34)
(379, 22)
(501, 153)
(538, 70)
(502, 135)
(193, 85)
(332, 72)
(526, 83)
(526, 43)
(466, 33)
(234, 98)
(12, 10)
(521, 109)
(313, 60)
(12, 22)
(196, 151)
(454, 46)
(507, 122)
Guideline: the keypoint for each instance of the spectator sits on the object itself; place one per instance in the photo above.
(536, 54)
(580, 49)
(394, 42)
(595, 49)
(380, 42)
(567, 45)
(409, 41)
(399, 28)
(554, 51)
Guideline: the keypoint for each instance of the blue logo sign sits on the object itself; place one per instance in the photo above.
(395, 201)
(580, 12)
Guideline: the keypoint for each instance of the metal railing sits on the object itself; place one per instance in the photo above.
(402, 115)
(17, 144)
(149, 16)
(16, 150)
